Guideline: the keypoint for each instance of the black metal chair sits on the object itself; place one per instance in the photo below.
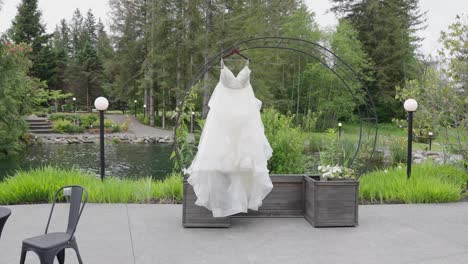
(51, 245)
(4, 214)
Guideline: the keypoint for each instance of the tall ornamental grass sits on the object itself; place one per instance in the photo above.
(39, 186)
(429, 183)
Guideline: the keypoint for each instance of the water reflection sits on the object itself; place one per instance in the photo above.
(122, 160)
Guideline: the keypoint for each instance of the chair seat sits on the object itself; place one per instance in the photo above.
(48, 241)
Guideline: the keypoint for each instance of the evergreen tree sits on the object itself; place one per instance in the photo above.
(28, 28)
(85, 75)
(387, 31)
(90, 28)
(62, 52)
(76, 32)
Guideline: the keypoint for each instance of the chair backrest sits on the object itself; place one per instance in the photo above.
(78, 197)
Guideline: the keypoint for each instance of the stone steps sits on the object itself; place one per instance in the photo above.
(39, 125)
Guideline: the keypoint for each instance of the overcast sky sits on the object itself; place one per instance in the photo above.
(440, 14)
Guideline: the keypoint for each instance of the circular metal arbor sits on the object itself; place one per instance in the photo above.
(351, 81)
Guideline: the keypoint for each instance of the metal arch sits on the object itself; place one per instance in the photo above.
(313, 50)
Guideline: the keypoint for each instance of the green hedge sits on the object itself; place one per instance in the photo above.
(65, 123)
(39, 186)
(429, 183)
(66, 126)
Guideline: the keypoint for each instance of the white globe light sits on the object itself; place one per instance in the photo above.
(74, 98)
(339, 124)
(101, 103)
(431, 134)
(410, 105)
(135, 101)
(144, 106)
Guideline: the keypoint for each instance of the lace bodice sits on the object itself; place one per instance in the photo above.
(234, 82)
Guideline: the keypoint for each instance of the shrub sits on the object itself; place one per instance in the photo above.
(398, 150)
(144, 119)
(55, 117)
(108, 124)
(39, 185)
(66, 126)
(429, 183)
(88, 119)
(286, 141)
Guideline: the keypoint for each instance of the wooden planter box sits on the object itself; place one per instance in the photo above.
(331, 203)
(198, 216)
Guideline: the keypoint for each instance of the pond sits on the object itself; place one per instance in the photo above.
(122, 160)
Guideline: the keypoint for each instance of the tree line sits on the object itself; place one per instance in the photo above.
(152, 48)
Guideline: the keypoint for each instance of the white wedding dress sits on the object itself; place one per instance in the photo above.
(229, 172)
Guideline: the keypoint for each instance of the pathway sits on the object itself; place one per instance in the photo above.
(153, 234)
(138, 129)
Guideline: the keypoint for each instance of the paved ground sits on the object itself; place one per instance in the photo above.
(138, 129)
(153, 234)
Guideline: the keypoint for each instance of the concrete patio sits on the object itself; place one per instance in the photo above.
(150, 234)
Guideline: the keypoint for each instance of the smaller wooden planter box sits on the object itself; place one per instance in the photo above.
(331, 203)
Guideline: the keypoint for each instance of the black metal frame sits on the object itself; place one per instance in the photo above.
(313, 50)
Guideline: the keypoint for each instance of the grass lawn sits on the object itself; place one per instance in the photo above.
(429, 183)
(388, 133)
(39, 186)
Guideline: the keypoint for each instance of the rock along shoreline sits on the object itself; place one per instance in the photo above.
(39, 139)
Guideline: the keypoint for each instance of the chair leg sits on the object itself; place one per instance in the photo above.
(61, 256)
(74, 245)
(23, 255)
(47, 258)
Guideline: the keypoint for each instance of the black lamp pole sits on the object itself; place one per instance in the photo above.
(135, 107)
(74, 105)
(410, 106)
(101, 104)
(192, 117)
(430, 140)
(339, 129)
(410, 144)
(101, 131)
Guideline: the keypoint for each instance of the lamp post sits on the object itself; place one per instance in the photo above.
(101, 104)
(74, 104)
(144, 112)
(410, 106)
(192, 118)
(135, 102)
(339, 129)
(430, 140)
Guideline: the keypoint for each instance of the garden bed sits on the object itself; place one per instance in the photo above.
(294, 195)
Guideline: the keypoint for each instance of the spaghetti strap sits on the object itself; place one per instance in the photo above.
(222, 63)
(247, 63)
